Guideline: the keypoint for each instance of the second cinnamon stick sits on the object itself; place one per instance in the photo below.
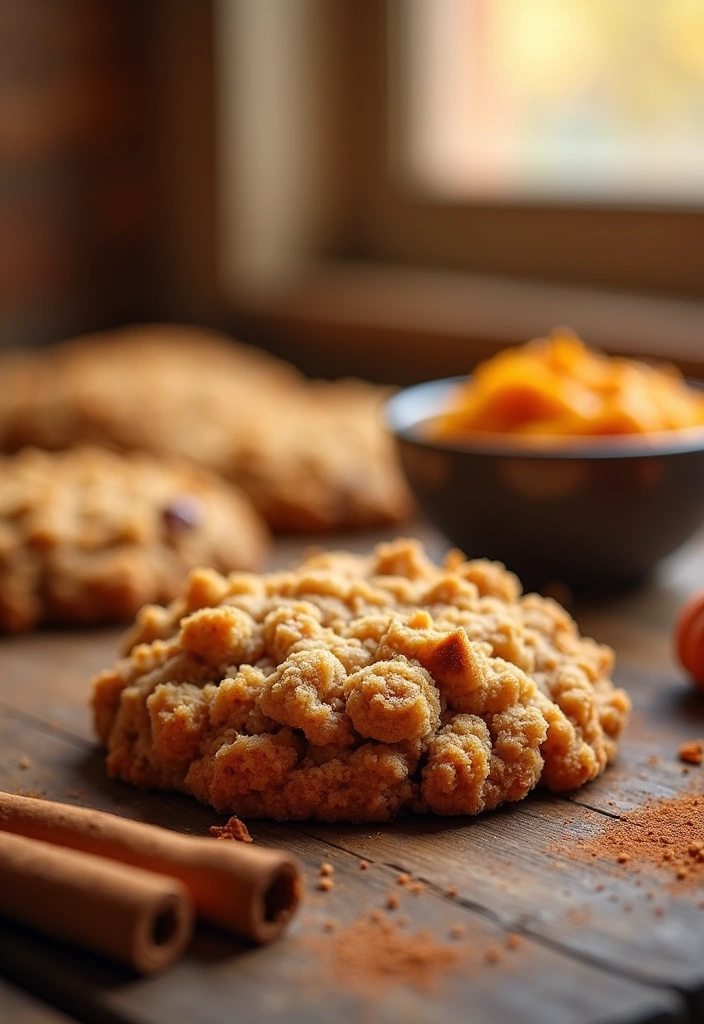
(134, 916)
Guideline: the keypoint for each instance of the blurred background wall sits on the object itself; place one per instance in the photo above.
(393, 188)
(106, 157)
(75, 188)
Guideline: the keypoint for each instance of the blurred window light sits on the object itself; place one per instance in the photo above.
(600, 101)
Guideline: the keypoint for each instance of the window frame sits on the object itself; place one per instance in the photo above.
(608, 245)
(368, 277)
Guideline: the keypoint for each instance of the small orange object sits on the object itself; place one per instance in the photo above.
(689, 637)
(692, 753)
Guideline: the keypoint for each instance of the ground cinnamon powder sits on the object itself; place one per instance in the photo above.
(374, 953)
(667, 834)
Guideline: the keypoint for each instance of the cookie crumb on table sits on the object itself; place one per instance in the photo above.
(692, 752)
(233, 829)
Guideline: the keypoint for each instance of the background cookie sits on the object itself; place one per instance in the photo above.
(89, 535)
(357, 688)
(312, 455)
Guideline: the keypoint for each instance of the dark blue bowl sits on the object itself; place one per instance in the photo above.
(594, 513)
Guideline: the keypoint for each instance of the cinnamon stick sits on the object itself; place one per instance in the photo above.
(132, 915)
(248, 890)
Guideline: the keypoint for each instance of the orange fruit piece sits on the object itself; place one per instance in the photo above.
(689, 637)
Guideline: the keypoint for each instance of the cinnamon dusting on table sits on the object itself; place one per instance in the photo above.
(667, 834)
(374, 953)
(233, 829)
(377, 950)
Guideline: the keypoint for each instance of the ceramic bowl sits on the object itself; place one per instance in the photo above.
(594, 514)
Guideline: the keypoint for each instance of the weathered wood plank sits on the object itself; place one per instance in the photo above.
(47, 674)
(290, 979)
(285, 982)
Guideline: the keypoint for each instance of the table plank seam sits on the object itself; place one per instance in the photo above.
(682, 997)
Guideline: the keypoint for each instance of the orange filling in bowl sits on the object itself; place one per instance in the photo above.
(558, 387)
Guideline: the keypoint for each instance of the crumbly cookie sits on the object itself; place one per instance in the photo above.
(354, 688)
(89, 535)
(311, 455)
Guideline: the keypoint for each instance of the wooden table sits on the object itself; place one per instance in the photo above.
(585, 954)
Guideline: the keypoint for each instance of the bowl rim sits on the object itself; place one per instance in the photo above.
(402, 422)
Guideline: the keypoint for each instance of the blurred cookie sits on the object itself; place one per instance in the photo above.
(357, 688)
(311, 455)
(322, 460)
(89, 535)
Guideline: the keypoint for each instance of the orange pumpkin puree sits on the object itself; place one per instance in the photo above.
(559, 387)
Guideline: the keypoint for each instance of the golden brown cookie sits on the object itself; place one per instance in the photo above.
(354, 688)
(89, 535)
(311, 455)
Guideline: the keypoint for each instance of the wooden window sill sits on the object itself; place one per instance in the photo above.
(401, 324)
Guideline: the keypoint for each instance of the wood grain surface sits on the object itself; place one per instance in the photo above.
(592, 946)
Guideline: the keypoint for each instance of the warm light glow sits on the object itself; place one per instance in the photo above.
(563, 99)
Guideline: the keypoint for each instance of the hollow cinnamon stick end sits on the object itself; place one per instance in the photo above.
(163, 933)
(280, 897)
